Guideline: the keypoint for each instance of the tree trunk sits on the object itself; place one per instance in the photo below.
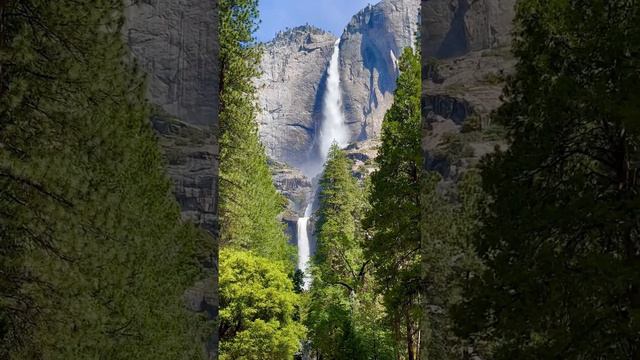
(410, 344)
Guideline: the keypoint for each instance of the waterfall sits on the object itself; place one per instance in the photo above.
(333, 129)
(303, 245)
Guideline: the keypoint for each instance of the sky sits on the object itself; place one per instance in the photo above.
(330, 15)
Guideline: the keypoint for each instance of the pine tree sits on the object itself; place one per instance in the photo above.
(338, 255)
(345, 315)
(394, 217)
(560, 237)
(249, 202)
(94, 257)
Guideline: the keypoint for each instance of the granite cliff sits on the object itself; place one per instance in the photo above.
(466, 59)
(466, 53)
(371, 44)
(298, 59)
(290, 91)
(175, 43)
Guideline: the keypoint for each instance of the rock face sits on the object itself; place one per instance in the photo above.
(290, 89)
(468, 59)
(458, 107)
(455, 27)
(370, 46)
(176, 44)
(298, 58)
(362, 155)
(294, 185)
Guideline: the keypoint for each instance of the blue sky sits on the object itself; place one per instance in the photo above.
(330, 15)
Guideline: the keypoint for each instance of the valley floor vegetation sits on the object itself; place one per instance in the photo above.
(532, 254)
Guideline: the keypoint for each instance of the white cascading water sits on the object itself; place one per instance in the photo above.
(332, 130)
(303, 246)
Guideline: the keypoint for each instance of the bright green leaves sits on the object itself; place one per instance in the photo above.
(257, 308)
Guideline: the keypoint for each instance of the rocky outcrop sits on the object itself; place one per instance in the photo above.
(290, 89)
(175, 43)
(457, 106)
(363, 155)
(190, 154)
(463, 79)
(370, 47)
(294, 185)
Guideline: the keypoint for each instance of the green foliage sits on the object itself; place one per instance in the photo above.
(449, 218)
(257, 309)
(330, 324)
(249, 202)
(455, 146)
(560, 237)
(93, 256)
(345, 314)
(338, 235)
(394, 216)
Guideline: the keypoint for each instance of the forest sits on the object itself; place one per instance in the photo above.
(532, 253)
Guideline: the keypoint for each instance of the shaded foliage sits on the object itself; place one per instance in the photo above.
(93, 255)
(393, 219)
(560, 237)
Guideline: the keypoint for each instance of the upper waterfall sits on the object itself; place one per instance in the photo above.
(333, 127)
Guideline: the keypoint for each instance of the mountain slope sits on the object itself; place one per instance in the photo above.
(298, 58)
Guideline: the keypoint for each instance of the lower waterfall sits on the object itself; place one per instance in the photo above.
(304, 251)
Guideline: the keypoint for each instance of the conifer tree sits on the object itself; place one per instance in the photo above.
(345, 316)
(94, 257)
(560, 237)
(339, 255)
(394, 217)
(249, 201)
